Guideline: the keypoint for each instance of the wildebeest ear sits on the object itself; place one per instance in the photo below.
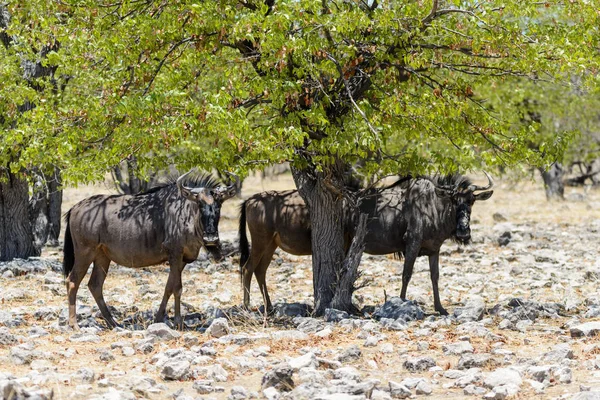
(484, 195)
(443, 192)
(185, 192)
(223, 193)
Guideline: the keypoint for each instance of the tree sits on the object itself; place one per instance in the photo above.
(25, 225)
(396, 86)
(556, 114)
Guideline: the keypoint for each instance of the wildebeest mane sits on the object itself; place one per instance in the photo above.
(195, 179)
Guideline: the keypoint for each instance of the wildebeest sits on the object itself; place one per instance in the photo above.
(167, 223)
(412, 217)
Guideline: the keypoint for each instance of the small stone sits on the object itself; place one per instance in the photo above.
(424, 387)
(190, 340)
(352, 353)
(6, 338)
(472, 390)
(203, 386)
(271, 393)
(468, 361)
(218, 328)
(279, 377)
(238, 393)
(106, 355)
(395, 308)
(333, 315)
(457, 348)
(411, 383)
(175, 370)
(503, 377)
(471, 311)
(398, 391)
(306, 360)
(558, 353)
(84, 375)
(308, 324)
(586, 329)
(161, 331)
(589, 395)
(498, 217)
(127, 351)
(419, 364)
(289, 335)
(85, 338)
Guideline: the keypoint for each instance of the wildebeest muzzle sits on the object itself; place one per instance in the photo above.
(463, 230)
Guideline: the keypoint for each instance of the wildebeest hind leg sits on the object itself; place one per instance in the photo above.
(160, 314)
(96, 283)
(82, 262)
(261, 273)
(247, 272)
(434, 270)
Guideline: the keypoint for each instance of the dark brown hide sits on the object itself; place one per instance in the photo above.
(169, 223)
(413, 217)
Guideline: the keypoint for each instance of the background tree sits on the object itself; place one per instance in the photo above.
(565, 112)
(397, 86)
(26, 74)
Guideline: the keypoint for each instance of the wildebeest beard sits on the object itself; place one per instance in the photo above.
(215, 252)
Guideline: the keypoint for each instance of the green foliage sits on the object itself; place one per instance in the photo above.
(403, 86)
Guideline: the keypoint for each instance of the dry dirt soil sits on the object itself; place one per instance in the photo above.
(533, 290)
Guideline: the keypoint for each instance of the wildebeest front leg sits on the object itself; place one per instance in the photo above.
(434, 270)
(175, 287)
(410, 256)
(95, 284)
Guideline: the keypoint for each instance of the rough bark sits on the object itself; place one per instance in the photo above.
(38, 211)
(334, 274)
(342, 299)
(553, 182)
(54, 207)
(16, 238)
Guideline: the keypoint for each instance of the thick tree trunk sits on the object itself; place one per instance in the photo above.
(16, 238)
(342, 299)
(327, 217)
(54, 207)
(553, 182)
(38, 211)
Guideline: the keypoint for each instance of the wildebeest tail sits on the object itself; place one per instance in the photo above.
(244, 246)
(68, 250)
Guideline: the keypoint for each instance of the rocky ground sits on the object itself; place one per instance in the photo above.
(524, 298)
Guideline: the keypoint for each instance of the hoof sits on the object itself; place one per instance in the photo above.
(442, 311)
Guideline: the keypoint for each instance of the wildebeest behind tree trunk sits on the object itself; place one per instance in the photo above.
(168, 223)
(553, 181)
(412, 217)
(127, 182)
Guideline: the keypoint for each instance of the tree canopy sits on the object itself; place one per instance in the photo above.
(404, 86)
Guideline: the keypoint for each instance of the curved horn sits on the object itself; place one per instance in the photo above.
(180, 180)
(228, 192)
(489, 186)
(237, 180)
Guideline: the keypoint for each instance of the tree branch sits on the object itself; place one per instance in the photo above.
(432, 14)
(349, 93)
(162, 62)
